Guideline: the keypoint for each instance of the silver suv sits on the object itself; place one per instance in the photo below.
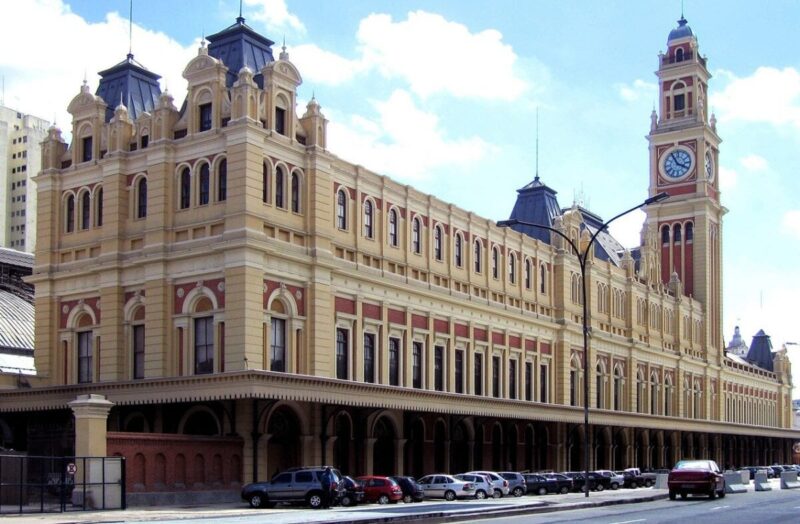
(293, 485)
(499, 483)
(516, 482)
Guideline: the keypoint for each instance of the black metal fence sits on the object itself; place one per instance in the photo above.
(31, 484)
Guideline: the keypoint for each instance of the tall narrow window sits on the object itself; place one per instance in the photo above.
(394, 361)
(512, 379)
(676, 233)
(145, 141)
(543, 384)
(222, 181)
(279, 182)
(459, 371)
(512, 268)
(204, 184)
(277, 345)
(495, 263)
(417, 364)
(368, 212)
(86, 144)
(680, 102)
(85, 357)
(617, 389)
(264, 183)
(280, 120)
(598, 389)
(99, 209)
(86, 208)
(438, 368)
(186, 185)
(478, 374)
(70, 214)
(542, 279)
(138, 351)
(437, 242)
(393, 227)
(416, 245)
(573, 387)
(496, 377)
(689, 232)
(141, 204)
(203, 345)
(341, 210)
(458, 250)
(528, 276)
(295, 193)
(369, 357)
(205, 117)
(528, 380)
(477, 256)
(341, 353)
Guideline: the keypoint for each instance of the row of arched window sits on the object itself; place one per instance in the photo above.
(196, 186)
(280, 191)
(83, 209)
(745, 409)
(343, 223)
(675, 233)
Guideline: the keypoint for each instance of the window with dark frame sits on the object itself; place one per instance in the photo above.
(277, 344)
(279, 181)
(203, 345)
(205, 117)
(528, 381)
(394, 361)
(393, 227)
(70, 214)
(138, 351)
(416, 362)
(496, 377)
(680, 102)
(458, 250)
(204, 184)
(543, 386)
(99, 214)
(459, 371)
(477, 256)
(415, 236)
(341, 210)
(478, 374)
(264, 183)
(186, 188)
(222, 180)
(342, 336)
(437, 243)
(368, 219)
(573, 387)
(280, 120)
(295, 193)
(85, 357)
(145, 141)
(495, 263)
(141, 205)
(86, 145)
(369, 357)
(438, 368)
(86, 208)
(512, 379)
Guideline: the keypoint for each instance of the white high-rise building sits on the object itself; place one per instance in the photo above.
(20, 159)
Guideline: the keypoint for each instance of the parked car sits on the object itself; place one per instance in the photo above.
(446, 487)
(499, 483)
(412, 492)
(648, 478)
(382, 490)
(631, 480)
(541, 484)
(616, 480)
(701, 477)
(352, 492)
(483, 486)
(293, 485)
(516, 482)
(776, 470)
(597, 482)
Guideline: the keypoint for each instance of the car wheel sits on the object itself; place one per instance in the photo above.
(314, 500)
(497, 494)
(634, 485)
(564, 490)
(450, 495)
(672, 495)
(599, 487)
(712, 494)
(518, 491)
(721, 494)
(648, 483)
(383, 499)
(684, 495)
(346, 500)
(543, 491)
(407, 499)
(615, 486)
(480, 494)
(256, 501)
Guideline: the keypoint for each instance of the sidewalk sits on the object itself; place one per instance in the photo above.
(361, 514)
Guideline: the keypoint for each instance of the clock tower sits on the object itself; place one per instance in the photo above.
(684, 151)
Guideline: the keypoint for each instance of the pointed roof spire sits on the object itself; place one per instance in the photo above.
(284, 55)
(536, 178)
(130, 31)
(240, 18)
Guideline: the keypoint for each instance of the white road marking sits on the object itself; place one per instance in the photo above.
(719, 507)
(630, 521)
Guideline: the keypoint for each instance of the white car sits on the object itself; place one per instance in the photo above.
(483, 486)
(617, 480)
(446, 487)
(499, 483)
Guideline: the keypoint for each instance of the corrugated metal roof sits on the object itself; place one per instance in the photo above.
(13, 257)
(16, 322)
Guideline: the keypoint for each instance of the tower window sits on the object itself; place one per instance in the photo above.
(280, 120)
(680, 102)
(665, 235)
(689, 232)
(679, 55)
(205, 117)
(87, 149)
(676, 233)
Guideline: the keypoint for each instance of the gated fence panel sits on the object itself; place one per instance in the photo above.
(33, 484)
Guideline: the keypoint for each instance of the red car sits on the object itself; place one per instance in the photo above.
(698, 477)
(380, 489)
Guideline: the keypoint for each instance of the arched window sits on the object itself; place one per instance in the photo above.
(279, 184)
(512, 268)
(495, 263)
(86, 208)
(393, 227)
(85, 354)
(618, 391)
(437, 242)
(477, 248)
(141, 200)
(264, 183)
(458, 251)
(186, 184)
(640, 391)
(203, 345)
(676, 233)
(416, 245)
(204, 189)
(99, 208)
(599, 390)
(679, 55)
(295, 193)
(528, 274)
(341, 210)
(368, 212)
(222, 180)
(205, 117)
(70, 218)
(689, 232)
(665, 235)
(654, 389)
(277, 344)
(542, 279)
(678, 98)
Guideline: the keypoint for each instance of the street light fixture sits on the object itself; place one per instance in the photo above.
(582, 259)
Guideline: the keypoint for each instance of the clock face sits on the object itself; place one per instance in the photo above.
(709, 166)
(678, 163)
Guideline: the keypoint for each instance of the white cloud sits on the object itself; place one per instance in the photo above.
(754, 163)
(727, 178)
(769, 96)
(435, 55)
(40, 81)
(403, 141)
(274, 15)
(791, 222)
(627, 229)
(319, 65)
(638, 90)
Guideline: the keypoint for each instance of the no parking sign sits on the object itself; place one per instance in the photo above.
(72, 468)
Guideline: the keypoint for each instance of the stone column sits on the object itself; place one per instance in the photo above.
(399, 446)
(91, 417)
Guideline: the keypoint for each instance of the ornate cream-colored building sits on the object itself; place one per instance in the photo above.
(249, 301)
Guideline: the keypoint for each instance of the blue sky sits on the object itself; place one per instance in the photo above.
(443, 95)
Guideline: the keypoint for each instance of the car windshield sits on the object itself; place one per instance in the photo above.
(693, 464)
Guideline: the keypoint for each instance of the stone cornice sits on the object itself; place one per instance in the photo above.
(304, 388)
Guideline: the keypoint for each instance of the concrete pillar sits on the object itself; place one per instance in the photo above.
(91, 417)
(399, 446)
(369, 455)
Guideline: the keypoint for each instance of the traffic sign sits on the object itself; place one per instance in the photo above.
(72, 468)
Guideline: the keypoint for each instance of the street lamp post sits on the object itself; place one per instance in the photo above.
(582, 260)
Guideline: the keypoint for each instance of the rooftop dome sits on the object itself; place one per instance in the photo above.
(682, 31)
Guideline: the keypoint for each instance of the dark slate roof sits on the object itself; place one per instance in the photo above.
(238, 46)
(682, 31)
(760, 353)
(606, 247)
(16, 323)
(536, 203)
(132, 84)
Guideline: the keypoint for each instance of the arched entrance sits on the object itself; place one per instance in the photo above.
(511, 445)
(620, 445)
(283, 445)
(415, 460)
(497, 448)
(383, 451)
(479, 443)
(575, 444)
(459, 448)
(601, 445)
(540, 455)
(529, 448)
(439, 452)
(341, 447)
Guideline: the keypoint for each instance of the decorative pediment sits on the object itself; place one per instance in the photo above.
(84, 100)
(200, 63)
(283, 70)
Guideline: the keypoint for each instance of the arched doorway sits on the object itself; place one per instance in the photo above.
(415, 448)
(620, 445)
(283, 445)
(601, 449)
(341, 446)
(439, 453)
(459, 448)
(479, 443)
(529, 448)
(383, 451)
(497, 448)
(512, 440)
(576, 450)
(540, 454)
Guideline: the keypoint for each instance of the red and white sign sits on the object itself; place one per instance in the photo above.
(72, 468)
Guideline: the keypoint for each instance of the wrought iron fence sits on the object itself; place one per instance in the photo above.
(34, 484)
